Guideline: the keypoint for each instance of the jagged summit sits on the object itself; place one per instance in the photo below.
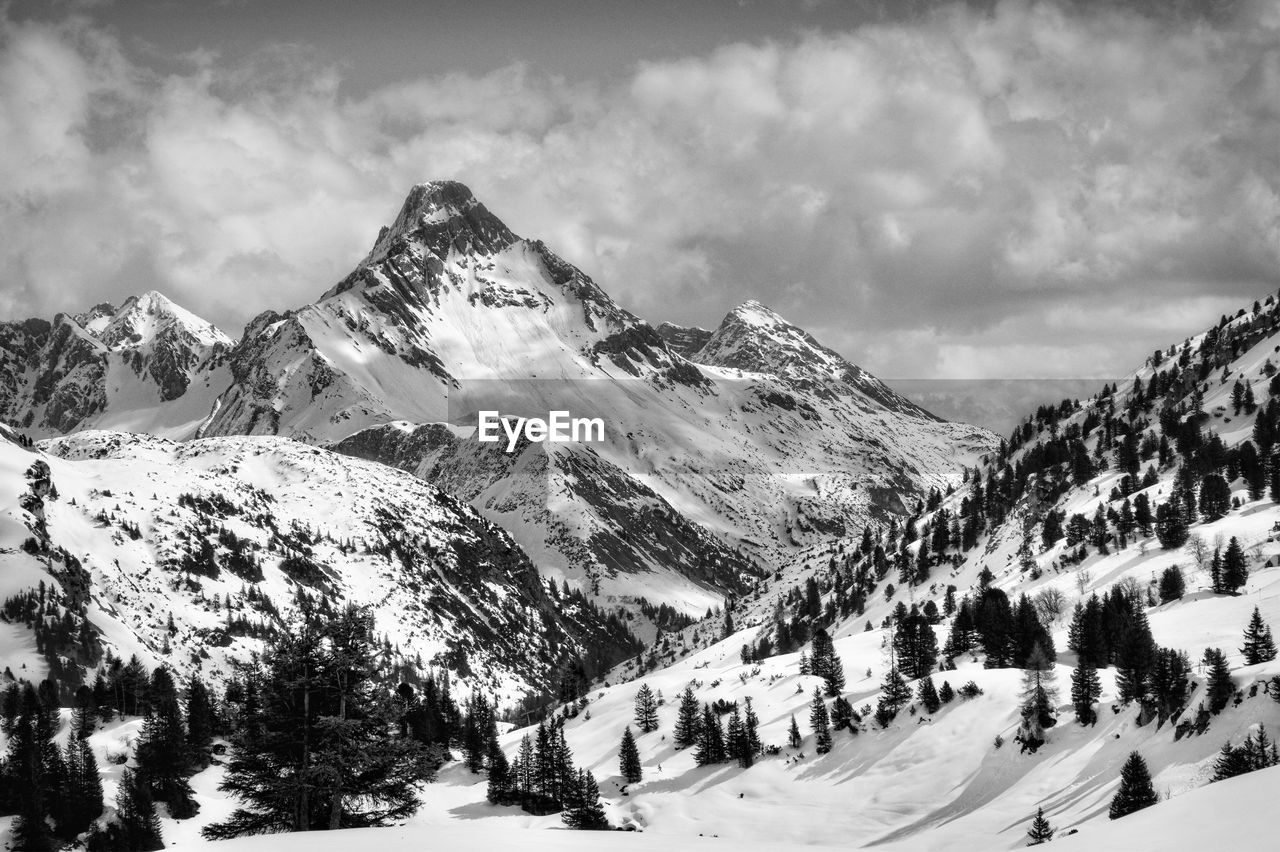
(755, 311)
(443, 214)
(755, 338)
(153, 315)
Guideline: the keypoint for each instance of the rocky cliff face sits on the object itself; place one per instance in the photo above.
(684, 340)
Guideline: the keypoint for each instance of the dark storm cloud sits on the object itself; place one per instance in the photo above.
(950, 191)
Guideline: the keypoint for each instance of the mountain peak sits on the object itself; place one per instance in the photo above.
(756, 338)
(152, 300)
(443, 214)
(435, 196)
(152, 314)
(753, 312)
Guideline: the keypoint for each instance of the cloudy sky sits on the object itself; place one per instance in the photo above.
(936, 190)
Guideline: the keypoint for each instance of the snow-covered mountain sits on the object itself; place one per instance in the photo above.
(190, 554)
(771, 442)
(753, 338)
(149, 366)
(717, 458)
(725, 450)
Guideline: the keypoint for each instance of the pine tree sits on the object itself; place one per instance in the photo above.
(163, 757)
(29, 744)
(646, 710)
(1219, 687)
(914, 642)
(1135, 791)
(1172, 584)
(501, 786)
(820, 722)
(629, 758)
(137, 828)
(1040, 831)
(585, 812)
(321, 752)
(894, 694)
(752, 727)
(736, 739)
(1135, 650)
(82, 799)
(1235, 571)
(475, 721)
(826, 663)
(1259, 646)
(711, 747)
(84, 716)
(688, 719)
(1039, 697)
(1052, 529)
(524, 770)
(1171, 527)
(927, 695)
(1085, 690)
(1215, 497)
(201, 723)
(1230, 763)
(793, 734)
(946, 693)
(1256, 752)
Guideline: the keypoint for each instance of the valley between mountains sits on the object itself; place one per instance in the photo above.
(274, 583)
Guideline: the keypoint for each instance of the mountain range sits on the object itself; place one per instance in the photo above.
(171, 493)
(719, 459)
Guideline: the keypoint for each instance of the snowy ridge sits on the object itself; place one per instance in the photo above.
(167, 530)
(754, 338)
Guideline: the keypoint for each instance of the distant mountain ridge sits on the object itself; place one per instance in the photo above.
(130, 368)
(720, 460)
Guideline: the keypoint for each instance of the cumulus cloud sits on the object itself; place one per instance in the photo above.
(1025, 190)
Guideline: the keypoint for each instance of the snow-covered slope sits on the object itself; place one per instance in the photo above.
(578, 516)
(1233, 814)
(927, 782)
(190, 553)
